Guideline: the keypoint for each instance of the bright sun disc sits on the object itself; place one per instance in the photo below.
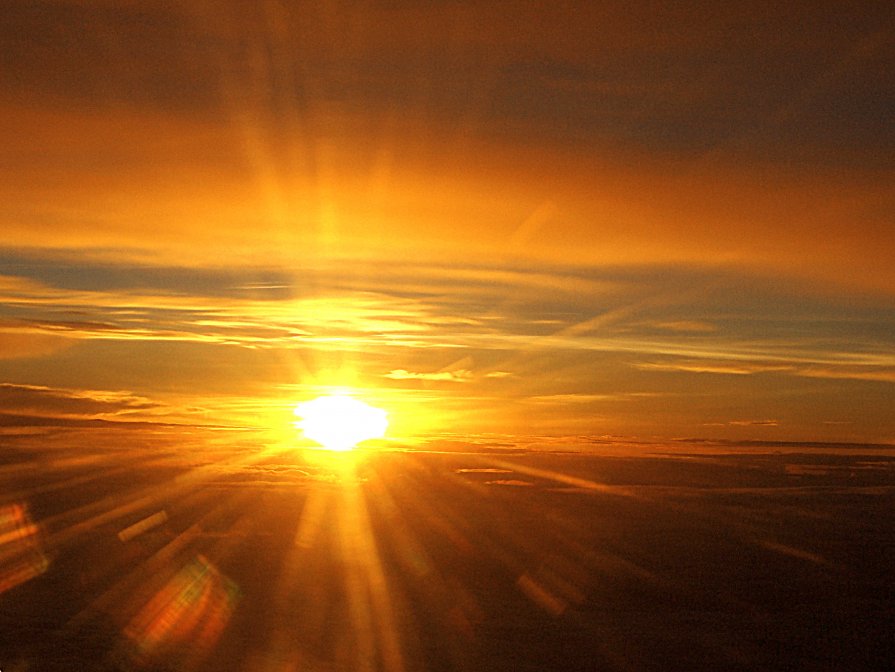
(340, 422)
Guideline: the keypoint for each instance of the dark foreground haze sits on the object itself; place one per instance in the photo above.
(670, 558)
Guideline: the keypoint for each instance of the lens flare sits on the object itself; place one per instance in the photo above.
(340, 422)
(21, 557)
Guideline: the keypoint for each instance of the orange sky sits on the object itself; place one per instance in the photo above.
(672, 220)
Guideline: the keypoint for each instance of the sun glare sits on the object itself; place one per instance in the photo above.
(340, 422)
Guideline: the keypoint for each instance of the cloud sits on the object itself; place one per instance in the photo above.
(514, 482)
(187, 313)
(458, 376)
(823, 366)
(879, 374)
(21, 344)
(693, 326)
(574, 398)
(550, 125)
(527, 347)
(482, 470)
(72, 404)
(736, 368)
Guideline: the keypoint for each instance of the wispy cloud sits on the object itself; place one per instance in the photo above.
(692, 326)
(17, 342)
(33, 309)
(458, 376)
(879, 374)
(584, 398)
(628, 345)
(824, 366)
(722, 367)
(70, 403)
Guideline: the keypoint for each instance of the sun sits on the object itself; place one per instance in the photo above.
(340, 422)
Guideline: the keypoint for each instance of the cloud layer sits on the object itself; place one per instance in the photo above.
(648, 219)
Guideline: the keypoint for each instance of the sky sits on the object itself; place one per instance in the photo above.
(505, 222)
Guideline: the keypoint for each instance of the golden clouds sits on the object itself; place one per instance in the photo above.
(18, 343)
(452, 133)
(458, 376)
(40, 400)
(550, 349)
(157, 187)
